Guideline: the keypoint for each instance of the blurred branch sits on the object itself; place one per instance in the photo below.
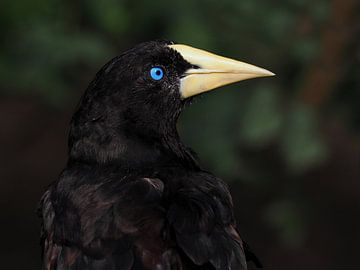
(326, 70)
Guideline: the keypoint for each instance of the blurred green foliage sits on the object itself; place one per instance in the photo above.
(43, 41)
(288, 218)
(50, 50)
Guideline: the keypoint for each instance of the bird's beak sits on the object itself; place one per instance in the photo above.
(214, 71)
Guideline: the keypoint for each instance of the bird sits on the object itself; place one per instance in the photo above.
(132, 195)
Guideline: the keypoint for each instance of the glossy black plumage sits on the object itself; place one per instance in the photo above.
(132, 196)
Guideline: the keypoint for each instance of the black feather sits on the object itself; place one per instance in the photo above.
(132, 196)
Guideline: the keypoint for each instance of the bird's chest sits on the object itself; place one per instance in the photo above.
(140, 208)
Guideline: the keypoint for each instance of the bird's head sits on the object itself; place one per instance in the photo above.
(143, 91)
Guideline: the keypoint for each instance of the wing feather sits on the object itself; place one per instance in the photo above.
(141, 223)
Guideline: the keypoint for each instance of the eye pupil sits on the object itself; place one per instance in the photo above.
(157, 73)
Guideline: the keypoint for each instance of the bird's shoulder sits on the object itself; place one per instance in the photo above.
(179, 216)
(91, 218)
(202, 219)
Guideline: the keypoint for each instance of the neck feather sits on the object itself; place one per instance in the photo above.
(128, 145)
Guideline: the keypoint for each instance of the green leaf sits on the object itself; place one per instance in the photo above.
(262, 119)
(302, 143)
(289, 221)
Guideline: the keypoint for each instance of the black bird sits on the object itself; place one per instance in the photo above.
(132, 195)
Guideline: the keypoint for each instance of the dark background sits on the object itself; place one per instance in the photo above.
(288, 146)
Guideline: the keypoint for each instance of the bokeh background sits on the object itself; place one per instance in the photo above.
(288, 146)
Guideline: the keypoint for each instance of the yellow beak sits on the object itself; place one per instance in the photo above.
(214, 71)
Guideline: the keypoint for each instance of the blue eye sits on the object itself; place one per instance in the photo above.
(157, 73)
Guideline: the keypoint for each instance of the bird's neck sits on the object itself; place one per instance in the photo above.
(129, 145)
